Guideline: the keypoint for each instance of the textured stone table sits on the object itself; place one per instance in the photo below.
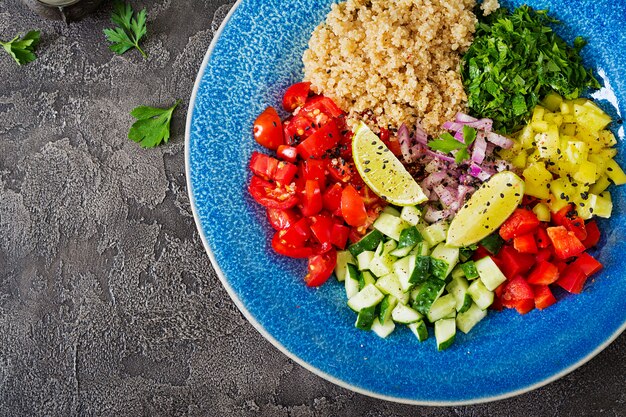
(108, 303)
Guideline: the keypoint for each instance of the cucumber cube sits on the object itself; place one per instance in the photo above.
(445, 332)
(389, 284)
(448, 254)
(344, 258)
(368, 242)
(435, 233)
(389, 225)
(352, 287)
(458, 288)
(386, 308)
(489, 273)
(383, 329)
(411, 215)
(467, 320)
(367, 297)
(429, 291)
(480, 294)
(442, 307)
(364, 259)
(391, 210)
(420, 330)
(403, 268)
(365, 318)
(406, 315)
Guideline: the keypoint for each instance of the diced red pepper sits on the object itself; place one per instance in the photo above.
(568, 217)
(544, 255)
(525, 243)
(572, 279)
(544, 273)
(513, 263)
(588, 264)
(542, 238)
(519, 295)
(521, 222)
(339, 235)
(561, 266)
(314, 169)
(565, 243)
(543, 297)
(593, 234)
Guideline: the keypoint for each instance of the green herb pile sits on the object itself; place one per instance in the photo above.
(515, 60)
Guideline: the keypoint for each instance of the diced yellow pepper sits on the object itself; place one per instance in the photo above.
(552, 101)
(615, 172)
(601, 205)
(540, 125)
(592, 120)
(601, 184)
(586, 173)
(576, 152)
(537, 178)
(542, 211)
(548, 142)
(601, 164)
(519, 160)
(607, 138)
(568, 129)
(608, 153)
(538, 113)
(567, 107)
(527, 137)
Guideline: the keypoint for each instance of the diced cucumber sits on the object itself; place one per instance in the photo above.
(389, 225)
(409, 237)
(344, 258)
(382, 262)
(364, 258)
(406, 315)
(365, 318)
(469, 270)
(480, 294)
(445, 331)
(368, 242)
(421, 270)
(352, 287)
(403, 268)
(367, 297)
(389, 284)
(389, 246)
(420, 330)
(466, 321)
(439, 268)
(435, 233)
(451, 315)
(458, 288)
(429, 291)
(366, 278)
(448, 254)
(458, 272)
(386, 307)
(493, 243)
(421, 249)
(489, 273)
(442, 307)
(391, 210)
(401, 253)
(383, 329)
(411, 215)
(466, 253)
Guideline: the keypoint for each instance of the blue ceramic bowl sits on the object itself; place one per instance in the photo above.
(253, 58)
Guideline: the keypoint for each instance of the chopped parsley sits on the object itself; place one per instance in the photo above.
(446, 143)
(514, 61)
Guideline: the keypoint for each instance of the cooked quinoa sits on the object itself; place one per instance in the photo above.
(390, 62)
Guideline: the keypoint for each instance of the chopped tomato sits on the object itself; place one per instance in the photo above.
(320, 268)
(519, 295)
(263, 165)
(321, 105)
(572, 279)
(297, 234)
(311, 202)
(285, 172)
(588, 264)
(314, 169)
(316, 145)
(543, 297)
(543, 241)
(272, 195)
(321, 226)
(525, 243)
(296, 96)
(544, 273)
(521, 222)
(341, 170)
(568, 217)
(297, 129)
(565, 243)
(282, 247)
(593, 234)
(339, 235)
(390, 141)
(352, 207)
(287, 153)
(268, 129)
(332, 199)
(281, 219)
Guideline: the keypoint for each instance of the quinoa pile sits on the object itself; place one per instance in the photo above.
(389, 62)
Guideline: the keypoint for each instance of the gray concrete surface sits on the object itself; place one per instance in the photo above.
(108, 303)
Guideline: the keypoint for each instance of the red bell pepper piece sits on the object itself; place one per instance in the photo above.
(543, 297)
(593, 234)
(568, 217)
(542, 239)
(565, 243)
(544, 273)
(525, 243)
(572, 279)
(588, 264)
(352, 207)
(519, 295)
(521, 222)
(513, 263)
(544, 255)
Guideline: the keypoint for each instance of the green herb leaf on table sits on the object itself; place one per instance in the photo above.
(514, 61)
(152, 126)
(446, 143)
(129, 30)
(23, 50)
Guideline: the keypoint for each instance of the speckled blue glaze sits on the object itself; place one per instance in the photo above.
(247, 68)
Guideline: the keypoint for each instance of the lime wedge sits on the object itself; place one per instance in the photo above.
(486, 210)
(382, 171)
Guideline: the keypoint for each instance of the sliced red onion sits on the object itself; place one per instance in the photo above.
(440, 156)
(499, 140)
(502, 165)
(480, 147)
(433, 215)
(453, 126)
(447, 195)
(465, 118)
(420, 135)
(404, 138)
(434, 179)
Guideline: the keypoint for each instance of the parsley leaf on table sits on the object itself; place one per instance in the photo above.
(23, 50)
(152, 126)
(514, 61)
(446, 143)
(129, 30)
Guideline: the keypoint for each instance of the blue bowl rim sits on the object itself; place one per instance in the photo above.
(259, 328)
